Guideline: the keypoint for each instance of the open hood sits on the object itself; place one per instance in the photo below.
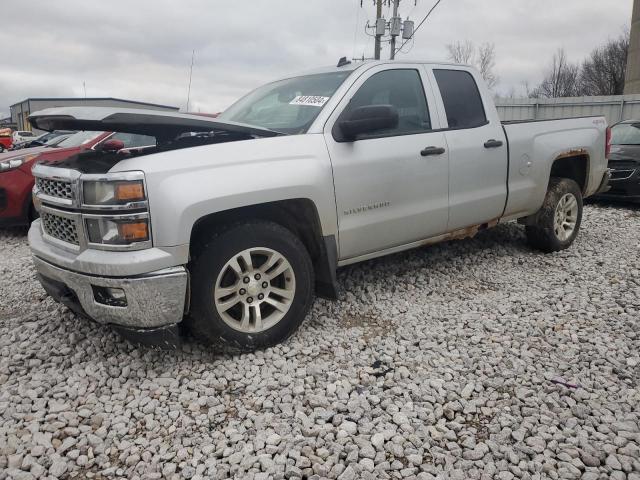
(159, 124)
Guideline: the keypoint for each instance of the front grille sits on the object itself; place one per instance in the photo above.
(55, 188)
(60, 227)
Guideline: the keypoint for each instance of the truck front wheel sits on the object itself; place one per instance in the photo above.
(557, 223)
(252, 286)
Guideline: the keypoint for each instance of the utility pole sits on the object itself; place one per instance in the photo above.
(633, 63)
(394, 28)
(376, 54)
(394, 19)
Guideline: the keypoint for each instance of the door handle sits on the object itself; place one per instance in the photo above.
(432, 151)
(492, 143)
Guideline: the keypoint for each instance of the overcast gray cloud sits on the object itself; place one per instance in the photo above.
(142, 49)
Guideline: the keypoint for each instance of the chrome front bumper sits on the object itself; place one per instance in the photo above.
(153, 300)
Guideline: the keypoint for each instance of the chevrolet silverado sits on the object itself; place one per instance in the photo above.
(228, 226)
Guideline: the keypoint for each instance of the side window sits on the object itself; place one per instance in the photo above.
(402, 89)
(133, 140)
(461, 97)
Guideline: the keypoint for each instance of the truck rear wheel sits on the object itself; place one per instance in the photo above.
(252, 286)
(557, 223)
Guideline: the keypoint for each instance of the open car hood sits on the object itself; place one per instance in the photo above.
(159, 124)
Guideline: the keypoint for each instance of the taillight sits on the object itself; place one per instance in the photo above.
(607, 149)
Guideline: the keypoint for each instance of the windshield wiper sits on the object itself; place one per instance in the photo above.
(276, 131)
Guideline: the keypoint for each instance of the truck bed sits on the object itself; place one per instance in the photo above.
(533, 147)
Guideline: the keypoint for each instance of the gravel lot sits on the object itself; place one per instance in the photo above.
(471, 359)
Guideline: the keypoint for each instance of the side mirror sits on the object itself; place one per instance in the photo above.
(368, 119)
(112, 145)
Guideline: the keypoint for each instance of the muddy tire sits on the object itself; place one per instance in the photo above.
(557, 223)
(251, 287)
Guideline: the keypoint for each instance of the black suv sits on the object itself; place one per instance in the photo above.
(624, 162)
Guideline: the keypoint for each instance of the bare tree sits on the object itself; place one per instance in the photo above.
(462, 52)
(486, 61)
(561, 79)
(483, 58)
(526, 87)
(604, 70)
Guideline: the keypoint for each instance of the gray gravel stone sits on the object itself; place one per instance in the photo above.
(348, 474)
(377, 440)
(350, 427)
(58, 468)
(613, 462)
(501, 363)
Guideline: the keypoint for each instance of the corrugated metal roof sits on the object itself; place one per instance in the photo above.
(82, 99)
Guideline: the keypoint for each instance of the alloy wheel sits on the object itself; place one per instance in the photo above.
(254, 290)
(566, 217)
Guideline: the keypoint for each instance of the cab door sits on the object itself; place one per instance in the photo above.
(392, 185)
(478, 159)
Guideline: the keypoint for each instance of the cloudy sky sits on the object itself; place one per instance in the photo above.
(141, 49)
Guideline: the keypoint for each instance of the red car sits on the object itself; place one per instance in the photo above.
(6, 140)
(16, 180)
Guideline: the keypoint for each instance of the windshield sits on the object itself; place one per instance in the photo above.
(288, 106)
(626, 134)
(54, 142)
(45, 138)
(78, 139)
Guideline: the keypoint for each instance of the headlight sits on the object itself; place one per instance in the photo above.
(120, 192)
(117, 231)
(15, 162)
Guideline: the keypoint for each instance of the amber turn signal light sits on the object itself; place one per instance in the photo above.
(130, 191)
(134, 232)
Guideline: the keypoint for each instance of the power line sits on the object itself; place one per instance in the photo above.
(419, 25)
(409, 48)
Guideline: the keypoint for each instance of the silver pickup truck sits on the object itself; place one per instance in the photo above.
(229, 225)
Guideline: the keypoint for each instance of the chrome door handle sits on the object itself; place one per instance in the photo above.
(432, 151)
(492, 143)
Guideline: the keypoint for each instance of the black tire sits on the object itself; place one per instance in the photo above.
(1, 148)
(542, 234)
(207, 325)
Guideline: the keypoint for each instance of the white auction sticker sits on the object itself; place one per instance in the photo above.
(311, 100)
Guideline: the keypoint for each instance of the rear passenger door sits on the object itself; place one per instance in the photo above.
(478, 159)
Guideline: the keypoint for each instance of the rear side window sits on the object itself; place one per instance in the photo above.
(461, 97)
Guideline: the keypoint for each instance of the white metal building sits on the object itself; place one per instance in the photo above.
(616, 108)
(20, 111)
